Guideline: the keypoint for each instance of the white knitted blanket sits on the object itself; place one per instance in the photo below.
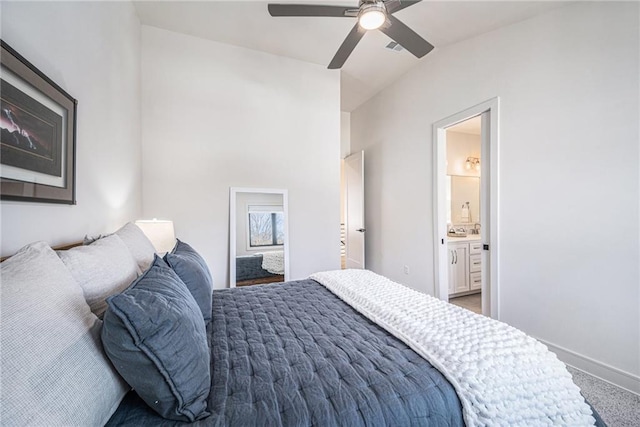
(273, 262)
(502, 376)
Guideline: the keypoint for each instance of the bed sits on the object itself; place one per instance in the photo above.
(294, 354)
(250, 271)
(289, 354)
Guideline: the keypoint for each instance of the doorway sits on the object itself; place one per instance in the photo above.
(465, 208)
(464, 223)
(353, 233)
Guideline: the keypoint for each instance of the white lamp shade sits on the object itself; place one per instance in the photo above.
(159, 232)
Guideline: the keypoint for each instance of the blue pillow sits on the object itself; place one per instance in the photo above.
(194, 272)
(154, 334)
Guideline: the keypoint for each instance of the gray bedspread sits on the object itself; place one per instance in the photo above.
(293, 354)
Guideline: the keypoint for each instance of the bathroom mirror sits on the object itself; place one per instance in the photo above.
(258, 236)
(460, 190)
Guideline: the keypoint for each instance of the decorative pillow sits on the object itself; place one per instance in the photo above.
(54, 371)
(103, 268)
(194, 272)
(154, 334)
(139, 245)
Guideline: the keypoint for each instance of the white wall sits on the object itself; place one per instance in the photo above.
(568, 87)
(217, 116)
(76, 45)
(345, 134)
(460, 146)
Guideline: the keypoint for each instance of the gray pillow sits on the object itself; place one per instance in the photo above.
(154, 334)
(193, 271)
(54, 371)
(103, 268)
(138, 244)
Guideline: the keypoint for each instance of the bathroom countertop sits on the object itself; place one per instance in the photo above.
(467, 238)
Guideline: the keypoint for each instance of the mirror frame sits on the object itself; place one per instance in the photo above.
(233, 191)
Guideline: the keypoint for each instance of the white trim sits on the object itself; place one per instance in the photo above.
(595, 368)
(233, 191)
(491, 279)
(440, 267)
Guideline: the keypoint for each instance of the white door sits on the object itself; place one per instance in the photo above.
(354, 184)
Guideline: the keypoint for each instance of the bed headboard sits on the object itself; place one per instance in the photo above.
(55, 248)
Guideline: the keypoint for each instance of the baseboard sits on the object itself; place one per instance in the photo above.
(608, 373)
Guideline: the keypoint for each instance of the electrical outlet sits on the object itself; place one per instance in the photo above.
(406, 269)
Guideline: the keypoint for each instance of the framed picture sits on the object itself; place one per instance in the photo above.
(37, 134)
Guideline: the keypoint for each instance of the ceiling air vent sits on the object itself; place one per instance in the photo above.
(394, 46)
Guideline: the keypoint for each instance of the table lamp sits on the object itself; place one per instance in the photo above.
(160, 233)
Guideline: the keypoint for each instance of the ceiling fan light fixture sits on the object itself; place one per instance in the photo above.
(372, 16)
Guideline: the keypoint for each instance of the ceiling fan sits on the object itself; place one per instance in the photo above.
(372, 15)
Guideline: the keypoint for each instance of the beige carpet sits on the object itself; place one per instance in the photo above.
(616, 406)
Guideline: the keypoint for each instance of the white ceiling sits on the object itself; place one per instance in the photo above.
(370, 67)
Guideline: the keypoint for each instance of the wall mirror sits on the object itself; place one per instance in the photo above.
(258, 236)
(460, 191)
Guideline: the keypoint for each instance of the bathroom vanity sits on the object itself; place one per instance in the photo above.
(465, 265)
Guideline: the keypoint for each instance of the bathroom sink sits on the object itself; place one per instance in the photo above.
(450, 234)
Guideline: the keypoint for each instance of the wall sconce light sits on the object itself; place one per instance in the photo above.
(160, 233)
(472, 163)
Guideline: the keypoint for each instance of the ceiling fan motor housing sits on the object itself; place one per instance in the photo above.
(366, 5)
(363, 2)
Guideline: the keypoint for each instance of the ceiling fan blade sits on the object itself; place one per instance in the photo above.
(347, 47)
(308, 10)
(406, 37)
(396, 5)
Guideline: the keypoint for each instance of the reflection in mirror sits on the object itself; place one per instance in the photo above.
(258, 230)
(463, 199)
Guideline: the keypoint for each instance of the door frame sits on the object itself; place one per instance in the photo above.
(489, 188)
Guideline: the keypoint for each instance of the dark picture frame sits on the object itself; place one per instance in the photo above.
(37, 134)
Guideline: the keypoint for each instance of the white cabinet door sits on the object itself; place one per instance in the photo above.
(458, 267)
(452, 271)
